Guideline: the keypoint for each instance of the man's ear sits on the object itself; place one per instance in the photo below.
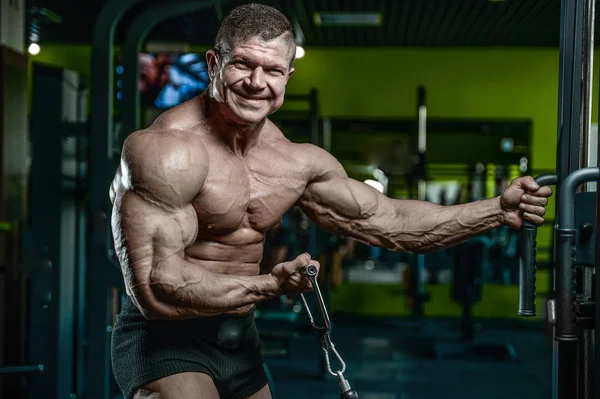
(211, 62)
(290, 73)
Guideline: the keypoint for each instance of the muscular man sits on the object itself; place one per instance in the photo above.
(196, 193)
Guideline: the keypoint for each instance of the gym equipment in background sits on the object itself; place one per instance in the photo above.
(469, 260)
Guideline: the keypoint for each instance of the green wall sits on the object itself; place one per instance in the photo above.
(460, 82)
(75, 57)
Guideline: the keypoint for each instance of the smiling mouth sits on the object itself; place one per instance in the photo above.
(249, 98)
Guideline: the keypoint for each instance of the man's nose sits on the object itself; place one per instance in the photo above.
(256, 80)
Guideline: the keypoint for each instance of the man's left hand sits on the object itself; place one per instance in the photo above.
(524, 200)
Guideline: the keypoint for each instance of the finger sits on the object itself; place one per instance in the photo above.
(534, 200)
(544, 192)
(301, 282)
(532, 209)
(535, 219)
(301, 260)
(316, 264)
(300, 264)
(529, 183)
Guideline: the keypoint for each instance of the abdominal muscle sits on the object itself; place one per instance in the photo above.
(235, 254)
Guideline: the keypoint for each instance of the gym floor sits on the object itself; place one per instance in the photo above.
(393, 359)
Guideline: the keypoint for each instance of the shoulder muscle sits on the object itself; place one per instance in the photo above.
(323, 165)
(169, 167)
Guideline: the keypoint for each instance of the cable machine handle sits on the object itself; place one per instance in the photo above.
(527, 259)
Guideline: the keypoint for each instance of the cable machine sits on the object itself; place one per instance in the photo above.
(571, 310)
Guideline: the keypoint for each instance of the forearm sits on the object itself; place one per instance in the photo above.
(182, 290)
(423, 227)
(351, 208)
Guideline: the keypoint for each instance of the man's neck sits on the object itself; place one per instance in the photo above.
(240, 138)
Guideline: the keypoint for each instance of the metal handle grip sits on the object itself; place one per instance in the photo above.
(527, 270)
(527, 260)
(311, 271)
(351, 394)
(566, 329)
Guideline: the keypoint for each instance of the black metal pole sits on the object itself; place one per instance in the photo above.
(596, 372)
(315, 130)
(569, 91)
(419, 284)
(584, 291)
(566, 386)
(566, 329)
(315, 138)
(564, 359)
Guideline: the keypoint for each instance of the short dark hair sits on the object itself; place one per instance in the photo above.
(253, 20)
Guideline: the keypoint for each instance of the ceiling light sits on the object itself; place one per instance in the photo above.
(34, 49)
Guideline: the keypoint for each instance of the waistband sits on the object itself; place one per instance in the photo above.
(130, 310)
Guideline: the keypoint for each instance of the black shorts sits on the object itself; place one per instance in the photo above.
(226, 347)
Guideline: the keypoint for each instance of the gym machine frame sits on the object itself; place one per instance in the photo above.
(55, 236)
(572, 311)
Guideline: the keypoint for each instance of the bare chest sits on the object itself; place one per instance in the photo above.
(247, 193)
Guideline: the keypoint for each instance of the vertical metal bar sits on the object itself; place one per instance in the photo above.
(65, 298)
(567, 370)
(587, 66)
(566, 328)
(313, 248)
(45, 204)
(569, 129)
(81, 300)
(68, 239)
(584, 292)
(596, 349)
(315, 131)
(596, 338)
(585, 343)
(562, 156)
(333, 241)
(421, 194)
(577, 93)
(81, 253)
(565, 92)
(315, 138)
(327, 135)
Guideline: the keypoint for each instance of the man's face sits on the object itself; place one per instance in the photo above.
(251, 80)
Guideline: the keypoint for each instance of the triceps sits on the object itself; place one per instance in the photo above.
(347, 207)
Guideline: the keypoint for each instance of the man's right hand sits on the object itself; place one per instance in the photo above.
(290, 276)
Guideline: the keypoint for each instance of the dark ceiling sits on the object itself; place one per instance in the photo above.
(403, 22)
